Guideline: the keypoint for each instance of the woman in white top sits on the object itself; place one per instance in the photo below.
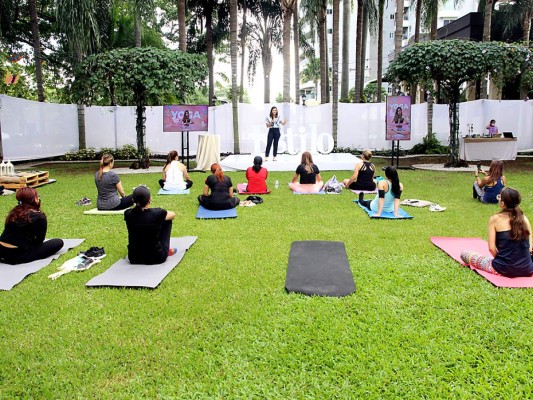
(175, 176)
(273, 122)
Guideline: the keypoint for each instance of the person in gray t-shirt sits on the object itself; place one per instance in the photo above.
(109, 187)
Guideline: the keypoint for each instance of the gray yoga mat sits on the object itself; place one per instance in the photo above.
(10, 275)
(124, 274)
(319, 268)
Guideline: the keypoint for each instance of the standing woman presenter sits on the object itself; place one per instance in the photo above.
(273, 122)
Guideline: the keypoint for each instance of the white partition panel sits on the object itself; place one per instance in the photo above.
(36, 130)
(100, 127)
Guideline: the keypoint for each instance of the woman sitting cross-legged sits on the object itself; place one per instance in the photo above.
(487, 189)
(25, 230)
(389, 193)
(510, 240)
(363, 175)
(108, 184)
(175, 175)
(218, 191)
(257, 176)
(309, 174)
(148, 230)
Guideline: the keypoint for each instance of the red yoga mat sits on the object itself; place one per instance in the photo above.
(454, 246)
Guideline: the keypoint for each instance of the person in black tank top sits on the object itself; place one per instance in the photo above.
(363, 175)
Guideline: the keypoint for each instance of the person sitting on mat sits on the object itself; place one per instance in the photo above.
(487, 189)
(175, 175)
(25, 230)
(218, 191)
(389, 193)
(363, 175)
(310, 179)
(148, 230)
(108, 184)
(510, 240)
(257, 176)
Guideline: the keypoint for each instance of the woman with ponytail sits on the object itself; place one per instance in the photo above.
(218, 191)
(109, 187)
(487, 189)
(510, 241)
(389, 193)
(175, 175)
(257, 176)
(25, 230)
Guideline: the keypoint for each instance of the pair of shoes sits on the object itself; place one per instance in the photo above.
(84, 202)
(94, 252)
(172, 251)
(436, 207)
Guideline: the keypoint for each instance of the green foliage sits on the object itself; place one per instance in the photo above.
(127, 152)
(429, 145)
(370, 93)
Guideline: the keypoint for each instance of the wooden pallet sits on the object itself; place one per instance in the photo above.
(27, 179)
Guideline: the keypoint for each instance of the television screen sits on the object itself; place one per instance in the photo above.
(185, 118)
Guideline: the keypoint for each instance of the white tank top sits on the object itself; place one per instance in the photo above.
(174, 177)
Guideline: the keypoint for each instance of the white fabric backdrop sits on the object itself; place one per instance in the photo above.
(38, 130)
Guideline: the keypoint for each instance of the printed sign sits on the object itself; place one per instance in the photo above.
(185, 118)
(398, 118)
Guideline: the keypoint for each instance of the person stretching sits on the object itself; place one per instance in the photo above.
(148, 230)
(389, 193)
(363, 175)
(510, 240)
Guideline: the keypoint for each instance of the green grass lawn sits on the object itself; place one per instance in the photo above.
(222, 326)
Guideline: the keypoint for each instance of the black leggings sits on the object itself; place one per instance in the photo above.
(188, 183)
(125, 202)
(273, 136)
(228, 204)
(157, 258)
(36, 252)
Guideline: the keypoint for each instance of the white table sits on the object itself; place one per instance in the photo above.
(208, 151)
(475, 149)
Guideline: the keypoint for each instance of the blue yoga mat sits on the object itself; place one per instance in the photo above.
(176, 191)
(321, 192)
(204, 213)
(386, 215)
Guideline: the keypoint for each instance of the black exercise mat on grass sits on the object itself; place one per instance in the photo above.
(319, 268)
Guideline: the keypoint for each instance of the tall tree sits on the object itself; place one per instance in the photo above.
(34, 23)
(182, 27)
(287, 8)
(311, 72)
(243, 35)
(398, 33)
(234, 48)
(140, 9)
(335, 68)
(345, 70)
(296, 42)
(359, 50)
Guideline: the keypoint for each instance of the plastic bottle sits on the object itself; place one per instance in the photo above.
(10, 168)
(3, 168)
(277, 184)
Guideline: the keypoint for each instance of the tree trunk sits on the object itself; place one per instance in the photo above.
(140, 127)
(296, 41)
(380, 50)
(363, 51)
(182, 28)
(323, 59)
(137, 28)
(398, 34)
(210, 52)
(345, 69)
(453, 160)
(526, 26)
(36, 49)
(358, 51)
(243, 49)
(266, 57)
(418, 16)
(287, 7)
(234, 92)
(335, 69)
(487, 26)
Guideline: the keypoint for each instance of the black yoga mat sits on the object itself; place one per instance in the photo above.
(319, 268)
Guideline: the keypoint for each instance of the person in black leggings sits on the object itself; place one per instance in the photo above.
(25, 229)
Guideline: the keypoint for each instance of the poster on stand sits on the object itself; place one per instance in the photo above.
(398, 118)
(185, 118)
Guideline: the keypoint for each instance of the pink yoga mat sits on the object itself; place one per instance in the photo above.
(455, 246)
(241, 188)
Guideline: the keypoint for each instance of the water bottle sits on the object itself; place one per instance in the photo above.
(3, 168)
(277, 184)
(10, 168)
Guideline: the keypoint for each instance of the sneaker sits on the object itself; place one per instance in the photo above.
(436, 207)
(172, 251)
(94, 252)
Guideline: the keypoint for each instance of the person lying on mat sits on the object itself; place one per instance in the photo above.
(363, 175)
(109, 187)
(309, 174)
(510, 240)
(148, 230)
(389, 193)
(175, 175)
(218, 191)
(257, 176)
(487, 189)
(25, 229)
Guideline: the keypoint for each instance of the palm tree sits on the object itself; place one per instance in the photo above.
(359, 51)
(381, 11)
(244, 33)
(140, 8)
(34, 23)
(335, 69)
(182, 4)
(345, 70)
(398, 34)
(519, 13)
(296, 41)
(234, 93)
(287, 8)
(311, 72)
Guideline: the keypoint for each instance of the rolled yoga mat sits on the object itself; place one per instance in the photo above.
(319, 268)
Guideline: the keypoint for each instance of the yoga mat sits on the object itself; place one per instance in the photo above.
(176, 191)
(10, 275)
(385, 215)
(124, 274)
(454, 246)
(365, 191)
(319, 268)
(204, 213)
(416, 203)
(96, 211)
(241, 188)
